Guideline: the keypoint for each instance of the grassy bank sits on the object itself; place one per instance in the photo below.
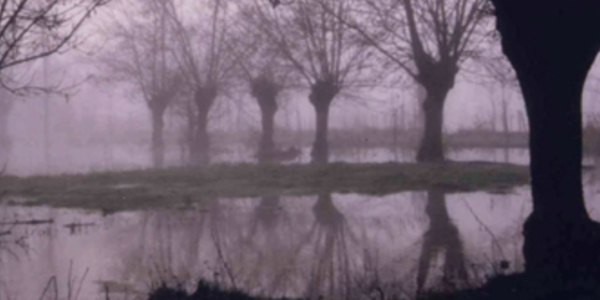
(142, 189)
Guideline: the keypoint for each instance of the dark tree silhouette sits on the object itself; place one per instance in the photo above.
(552, 45)
(429, 40)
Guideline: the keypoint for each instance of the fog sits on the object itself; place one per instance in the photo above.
(103, 126)
(280, 148)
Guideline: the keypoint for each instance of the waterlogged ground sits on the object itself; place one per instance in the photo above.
(339, 246)
(332, 245)
(327, 244)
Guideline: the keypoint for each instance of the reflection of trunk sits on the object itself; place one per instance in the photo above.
(158, 144)
(560, 239)
(268, 211)
(431, 148)
(265, 92)
(442, 235)
(321, 96)
(330, 275)
(326, 214)
(204, 98)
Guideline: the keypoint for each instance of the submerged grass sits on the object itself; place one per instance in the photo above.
(141, 189)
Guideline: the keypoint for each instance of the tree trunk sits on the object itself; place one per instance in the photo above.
(201, 148)
(327, 214)
(320, 150)
(204, 98)
(265, 91)
(432, 148)
(158, 144)
(321, 96)
(442, 236)
(267, 145)
(552, 57)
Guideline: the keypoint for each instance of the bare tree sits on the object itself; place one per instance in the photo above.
(319, 47)
(30, 29)
(429, 40)
(143, 59)
(263, 69)
(202, 52)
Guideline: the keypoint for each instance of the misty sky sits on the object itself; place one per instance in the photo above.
(99, 106)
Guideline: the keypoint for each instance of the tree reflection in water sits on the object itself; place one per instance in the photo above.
(442, 236)
(270, 243)
(172, 244)
(331, 270)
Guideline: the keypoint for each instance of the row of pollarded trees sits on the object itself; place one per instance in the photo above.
(336, 45)
(178, 52)
(164, 59)
(189, 55)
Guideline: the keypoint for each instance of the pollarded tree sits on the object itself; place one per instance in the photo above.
(552, 44)
(319, 47)
(202, 52)
(429, 40)
(263, 68)
(265, 89)
(141, 56)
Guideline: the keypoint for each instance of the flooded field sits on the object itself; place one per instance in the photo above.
(337, 246)
(326, 245)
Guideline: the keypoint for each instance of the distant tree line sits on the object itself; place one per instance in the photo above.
(194, 56)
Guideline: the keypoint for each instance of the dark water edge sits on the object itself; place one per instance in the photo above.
(514, 287)
(204, 290)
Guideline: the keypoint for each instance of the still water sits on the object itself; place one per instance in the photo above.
(340, 246)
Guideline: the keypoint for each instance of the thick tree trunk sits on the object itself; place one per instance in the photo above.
(204, 98)
(158, 144)
(552, 56)
(265, 91)
(432, 147)
(321, 96)
(559, 225)
(320, 150)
